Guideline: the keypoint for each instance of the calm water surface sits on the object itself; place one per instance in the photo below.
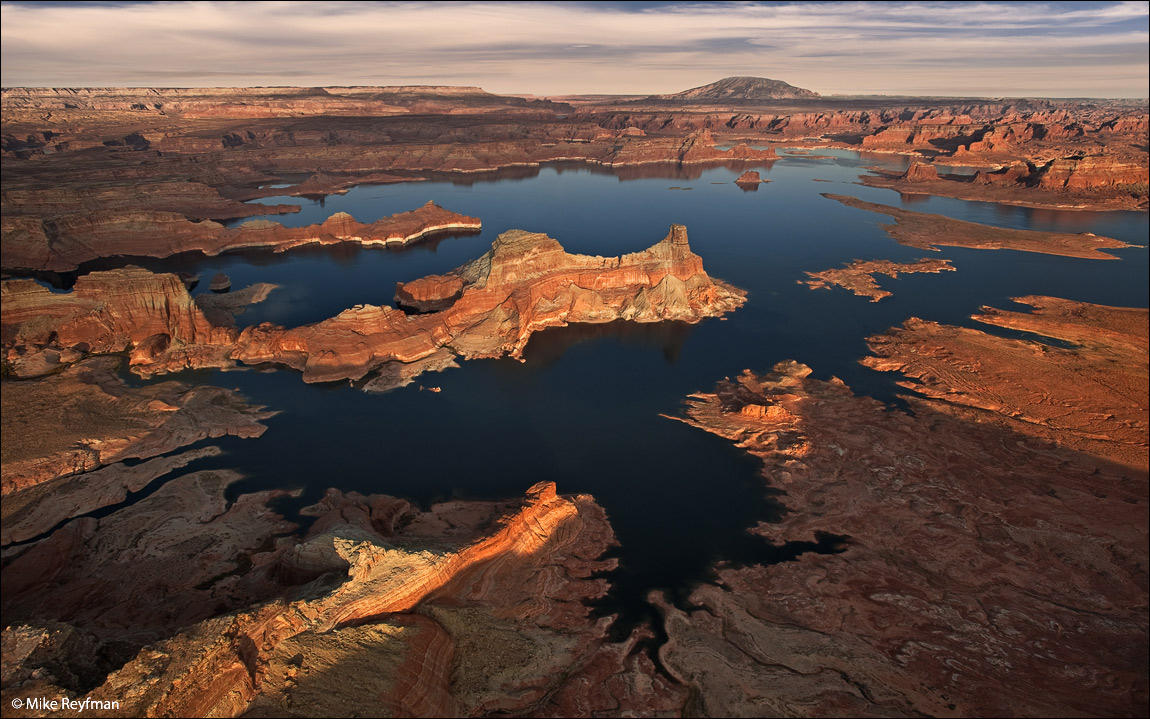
(584, 408)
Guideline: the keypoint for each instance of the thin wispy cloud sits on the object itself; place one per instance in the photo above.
(960, 48)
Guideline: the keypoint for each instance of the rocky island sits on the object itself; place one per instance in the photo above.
(526, 282)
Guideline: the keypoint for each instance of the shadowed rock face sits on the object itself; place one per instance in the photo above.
(468, 609)
(526, 282)
(988, 569)
(85, 417)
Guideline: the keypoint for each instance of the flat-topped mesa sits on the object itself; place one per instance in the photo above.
(30, 245)
(920, 172)
(486, 308)
(696, 147)
(740, 89)
(750, 178)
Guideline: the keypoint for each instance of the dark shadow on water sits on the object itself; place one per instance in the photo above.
(548, 346)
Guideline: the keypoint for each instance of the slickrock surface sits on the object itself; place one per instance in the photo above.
(86, 417)
(929, 232)
(429, 294)
(138, 574)
(468, 609)
(66, 244)
(985, 573)
(526, 282)
(859, 276)
(1090, 397)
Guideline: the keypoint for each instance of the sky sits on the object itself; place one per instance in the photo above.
(982, 49)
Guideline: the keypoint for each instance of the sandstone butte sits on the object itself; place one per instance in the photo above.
(750, 177)
(62, 245)
(468, 609)
(525, 283)
(995, 559)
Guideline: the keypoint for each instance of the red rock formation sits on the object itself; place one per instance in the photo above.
(696, 147)
(920, 172)
(29, 244)
(525, 283)
(1015, 174)
(519, 585)
(1093, 172)
(150, 315)
(1101, 181)
(429, 294)
(750, 177)
(133, 187)
(145, 570)
(85, 417)
(858, 276)
(928, 232)
(983, 572)
(1032, 388)
(321, 184)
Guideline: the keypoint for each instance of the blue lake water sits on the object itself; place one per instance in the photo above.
(584, 408)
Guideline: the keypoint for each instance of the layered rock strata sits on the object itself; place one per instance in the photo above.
(1089, 395)
(169, 559)
(929, 232)
(1097, 182)
(986, 571)
(859, 276)
(468, 609)
(65, 245)
(85, 417)
(525, 283)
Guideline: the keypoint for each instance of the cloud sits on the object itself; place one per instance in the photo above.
(1055, 49)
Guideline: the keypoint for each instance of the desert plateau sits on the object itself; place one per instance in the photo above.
(529, 373)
